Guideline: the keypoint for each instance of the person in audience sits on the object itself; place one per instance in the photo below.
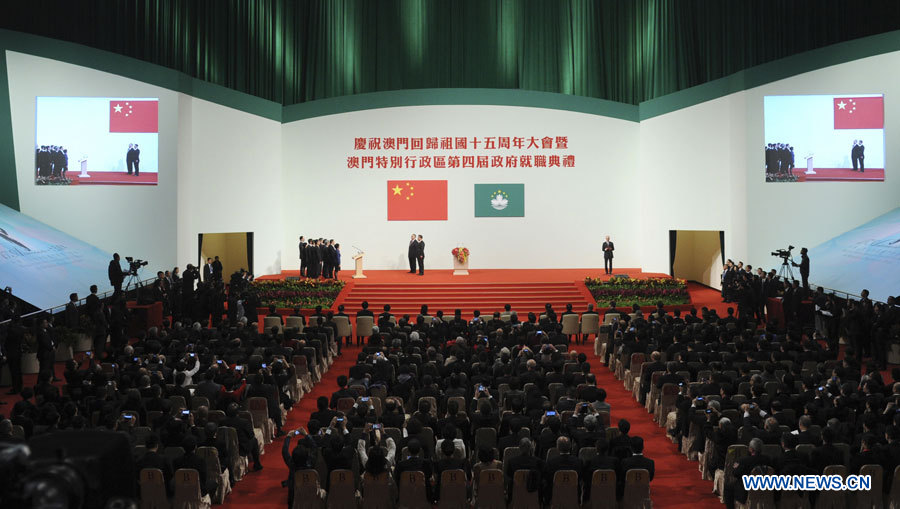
(153, 459)
(637, 460)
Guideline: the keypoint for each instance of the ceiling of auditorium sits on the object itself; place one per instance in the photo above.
(293, 51)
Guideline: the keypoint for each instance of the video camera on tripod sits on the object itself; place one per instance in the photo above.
(785, 254)
(134, 265)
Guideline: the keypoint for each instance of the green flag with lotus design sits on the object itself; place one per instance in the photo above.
(499, 200)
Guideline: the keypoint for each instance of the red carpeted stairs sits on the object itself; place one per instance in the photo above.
(263, 489)
(487, 297)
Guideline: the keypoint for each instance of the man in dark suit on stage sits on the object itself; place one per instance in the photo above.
(420, 254)
(804, 267)
(412, 253)
(608, 248)
(137, 160)
(129, 158)
(302, 248)
(116, 275)
(861, 156)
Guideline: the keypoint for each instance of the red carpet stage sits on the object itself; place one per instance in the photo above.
(120, 178)
(840, 175)
(526, 290)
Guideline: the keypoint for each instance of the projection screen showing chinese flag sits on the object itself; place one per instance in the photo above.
(96, 141)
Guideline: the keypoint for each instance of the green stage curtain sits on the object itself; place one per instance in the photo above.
(292, 51)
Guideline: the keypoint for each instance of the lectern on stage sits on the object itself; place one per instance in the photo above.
(359, 269)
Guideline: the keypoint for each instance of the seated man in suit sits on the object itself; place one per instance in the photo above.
(525, 461)
(637, 460)
(414, 463)
(565, 461)
(745, 466)
(153, 459)
(191, 460)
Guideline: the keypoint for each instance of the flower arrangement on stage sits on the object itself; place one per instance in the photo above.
(643, 292)
(302, 293)
(461, 254)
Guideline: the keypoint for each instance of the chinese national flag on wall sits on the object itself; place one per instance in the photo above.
(417, 200)
(859, 112)
(134, 116)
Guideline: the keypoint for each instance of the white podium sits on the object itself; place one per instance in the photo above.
(84, 173)
(809, 166)
(460, 269)
(359, 266)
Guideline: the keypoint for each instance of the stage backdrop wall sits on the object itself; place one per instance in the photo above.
(135, 221)
(567, 209)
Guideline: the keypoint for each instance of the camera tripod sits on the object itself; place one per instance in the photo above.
(135, 280)
(785, 272)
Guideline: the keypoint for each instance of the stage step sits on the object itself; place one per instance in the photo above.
(407, 298)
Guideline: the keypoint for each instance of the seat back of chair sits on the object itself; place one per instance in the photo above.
(343, 326)
(412, 490)
(173, 453)
(341, 489)
(453, 490)
(199, 401)
(211, 455)
(521, 497)
(259, 410)
(590, 324)
(586, 454)
(603, 489)
(306, 489)
(844, 448)
(153, 489)
(187, 488)
(565, 489)
(364, 325)
(377, 491)
(637, 488)
(570, 324)
(345, 404)
(637, 359)
(490, 490)
(294, 322)
(871, 497)
(734, 453)
(271, 321)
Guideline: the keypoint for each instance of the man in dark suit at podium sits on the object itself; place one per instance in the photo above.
(116, 276)
(420, 253)
(412, 253)
(608, 248)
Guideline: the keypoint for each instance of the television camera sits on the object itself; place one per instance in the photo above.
(134, 265)
(785, 254)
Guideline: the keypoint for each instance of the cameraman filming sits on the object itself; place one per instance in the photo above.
(116, 274)
(804, 267)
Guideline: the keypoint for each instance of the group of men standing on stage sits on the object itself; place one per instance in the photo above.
(51, 162)
(779, 158)
(858, 156)
(416, 254)
(319, 258)
(133, 159)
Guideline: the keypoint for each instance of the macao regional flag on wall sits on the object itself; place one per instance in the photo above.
(417, 200)
(499, 200)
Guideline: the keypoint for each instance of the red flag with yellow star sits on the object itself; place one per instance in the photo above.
(417, 200)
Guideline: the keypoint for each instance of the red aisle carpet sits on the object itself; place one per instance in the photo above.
(263, 489)
(677, 482)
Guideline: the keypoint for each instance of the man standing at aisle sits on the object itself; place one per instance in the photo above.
(420, 253)
(608, 248)
(412, 253)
